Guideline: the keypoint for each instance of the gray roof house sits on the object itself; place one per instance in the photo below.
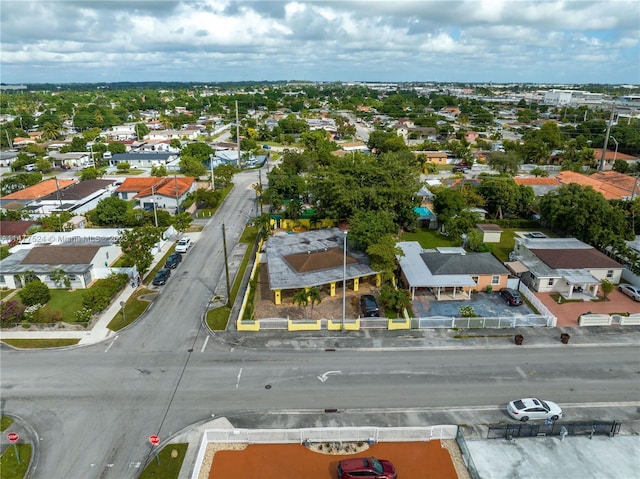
(562, 265)
(447, 272)
(80, 263)
(312, 259)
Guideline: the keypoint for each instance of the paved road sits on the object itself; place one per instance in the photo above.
(94, 407)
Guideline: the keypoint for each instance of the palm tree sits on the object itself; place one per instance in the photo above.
(301, 298)
(313, 296)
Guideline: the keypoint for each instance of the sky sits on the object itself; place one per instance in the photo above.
(550, 42)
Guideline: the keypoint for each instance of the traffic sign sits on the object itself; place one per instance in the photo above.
(13, 437)
(155, 440)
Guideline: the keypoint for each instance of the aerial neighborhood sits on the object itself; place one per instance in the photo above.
(279, 210)
(413, 194)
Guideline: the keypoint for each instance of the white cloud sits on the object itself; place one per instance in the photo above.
(212, 40)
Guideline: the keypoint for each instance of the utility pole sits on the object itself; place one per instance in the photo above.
(606, 138)
(238, 133)
(226, 265)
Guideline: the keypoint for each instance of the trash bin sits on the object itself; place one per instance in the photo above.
(564, 338)
(519, 338)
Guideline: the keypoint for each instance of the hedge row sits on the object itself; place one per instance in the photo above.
(98, 297)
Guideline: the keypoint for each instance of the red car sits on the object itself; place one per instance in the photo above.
(65, 167)
(366, 467)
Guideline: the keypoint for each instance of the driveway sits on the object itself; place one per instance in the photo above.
(484, 304)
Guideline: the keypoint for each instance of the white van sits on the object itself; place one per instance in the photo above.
(30, 167)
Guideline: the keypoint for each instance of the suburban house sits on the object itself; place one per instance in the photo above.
(437, 157)
(77, 198)
(416, 134)
(612, 185)
(313, 259)
(561, 265)
(172, 134)
(19, 199)
(83, 255)
(541, 185)
(449, 272)
(166, 193)
(72, 158)
(143, 160)
(611, 156)
(14, 231)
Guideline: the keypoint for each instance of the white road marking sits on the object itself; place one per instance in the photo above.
(325, 376)
(521, 372)
(206, 340)
(110, 344)
(238, 380)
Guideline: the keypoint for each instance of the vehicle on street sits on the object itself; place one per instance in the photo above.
(30, 167)
(183, 245)
(533, 408)
(630, 290)
(161, 277)
(511, 296)
(65, 167)
(369, 306)
(366, 467)
(173, 260)
(458, 169)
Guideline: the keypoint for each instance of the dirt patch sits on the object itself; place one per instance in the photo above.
(413, 460)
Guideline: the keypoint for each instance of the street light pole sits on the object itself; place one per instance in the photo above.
(344, 280)
(155, 211)
(615, 153)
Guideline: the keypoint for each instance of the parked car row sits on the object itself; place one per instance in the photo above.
(172, 262)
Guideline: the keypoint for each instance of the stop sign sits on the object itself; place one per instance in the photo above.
(13, 437)
(155, 440)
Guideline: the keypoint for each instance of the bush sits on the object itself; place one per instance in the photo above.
(99, 296)
(11, 311)
(34, 292)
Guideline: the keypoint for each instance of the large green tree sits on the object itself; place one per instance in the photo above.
(368, 227)
(111, 211)
(137, 243)
(583, 213)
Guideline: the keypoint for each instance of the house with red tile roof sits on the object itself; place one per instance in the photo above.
(541, 185)
(166, 193)
(607, 189)
(611, 156)
(562, 265)
(35, 192)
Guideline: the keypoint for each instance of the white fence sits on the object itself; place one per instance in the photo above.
(539, 305)
(594, 320)
(435, 322)
(371, 435)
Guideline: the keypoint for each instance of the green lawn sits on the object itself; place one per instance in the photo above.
(165, 467)
(9, 467)
(133, 308)
(5, 292)
(5, 422)
(429, 238)
(40, 343)
(65, 301)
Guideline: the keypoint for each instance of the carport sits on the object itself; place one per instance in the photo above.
(417, 274)
(581, 281)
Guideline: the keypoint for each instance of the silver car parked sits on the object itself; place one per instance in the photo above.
(630, 290)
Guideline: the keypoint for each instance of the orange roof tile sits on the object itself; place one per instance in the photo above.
(162, 186)
(597, 153)
(539, 181)
(44, 188)
(609, 191)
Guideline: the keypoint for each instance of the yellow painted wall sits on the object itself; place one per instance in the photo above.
(304, 326)
(336, 325)
(400, 323)
(248, 325)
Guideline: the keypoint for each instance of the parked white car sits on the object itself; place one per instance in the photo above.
(630, 290)
(533, 408)
(183, 245)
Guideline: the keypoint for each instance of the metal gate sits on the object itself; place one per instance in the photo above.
(550, 428)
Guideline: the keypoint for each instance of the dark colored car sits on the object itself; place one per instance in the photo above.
(369, 306)
(511, 296)
(458, 169)
(173, 260)
(161, 277)
(366, 467)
